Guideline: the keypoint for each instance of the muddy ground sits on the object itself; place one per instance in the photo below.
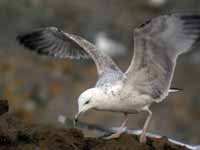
(19, 135)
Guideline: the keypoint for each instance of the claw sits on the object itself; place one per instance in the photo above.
(115, 135)
(143, 138)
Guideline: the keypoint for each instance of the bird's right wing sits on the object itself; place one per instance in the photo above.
(54, 42)
(157, 44)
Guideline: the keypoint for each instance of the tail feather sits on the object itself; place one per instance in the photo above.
(172, 90)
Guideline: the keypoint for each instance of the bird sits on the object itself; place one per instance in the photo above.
(157, 3)
(109, 46)
(157, 45)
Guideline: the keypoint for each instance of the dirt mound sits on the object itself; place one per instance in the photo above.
(18, 135)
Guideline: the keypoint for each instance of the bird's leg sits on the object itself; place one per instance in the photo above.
(121, 129)
(143, 136)
(123, 125)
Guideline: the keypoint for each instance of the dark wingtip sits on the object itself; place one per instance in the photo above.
(190, 16)
(190, 19)
(51, 41)
(30, 40)
(191, 26)
(176, 89)
(19, 38)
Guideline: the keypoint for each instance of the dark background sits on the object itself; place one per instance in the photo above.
(41, 88)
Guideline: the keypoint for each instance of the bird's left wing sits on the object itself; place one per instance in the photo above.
(54, 42)
(157, 44)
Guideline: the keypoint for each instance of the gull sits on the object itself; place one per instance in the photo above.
(157, 3)
(157, 45)
(109, 46)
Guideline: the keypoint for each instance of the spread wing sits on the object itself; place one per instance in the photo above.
(54, 42)
(157, 44)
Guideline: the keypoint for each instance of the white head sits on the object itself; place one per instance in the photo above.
(89, 99)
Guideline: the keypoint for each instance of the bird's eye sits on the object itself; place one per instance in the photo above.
(87, 102)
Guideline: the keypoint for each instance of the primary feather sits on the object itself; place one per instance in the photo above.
(54, 42)
(157, 44)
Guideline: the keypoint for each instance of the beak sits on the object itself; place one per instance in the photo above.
(77, 117)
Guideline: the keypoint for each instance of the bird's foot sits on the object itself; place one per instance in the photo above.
(143, 138)
(115, 135)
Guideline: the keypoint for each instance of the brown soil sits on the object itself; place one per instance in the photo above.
(18, 135)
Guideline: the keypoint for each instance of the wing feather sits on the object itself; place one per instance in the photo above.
(54, 42)
(157, 45)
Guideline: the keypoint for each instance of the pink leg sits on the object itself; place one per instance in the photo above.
(120, 130)
(143, 136)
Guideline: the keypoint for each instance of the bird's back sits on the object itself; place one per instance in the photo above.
(109, 78)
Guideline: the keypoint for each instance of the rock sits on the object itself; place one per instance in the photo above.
(3, 106)
(20, 135)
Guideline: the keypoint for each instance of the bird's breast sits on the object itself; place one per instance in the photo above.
(120, 100)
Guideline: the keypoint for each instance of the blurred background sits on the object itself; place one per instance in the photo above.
(39, 89)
